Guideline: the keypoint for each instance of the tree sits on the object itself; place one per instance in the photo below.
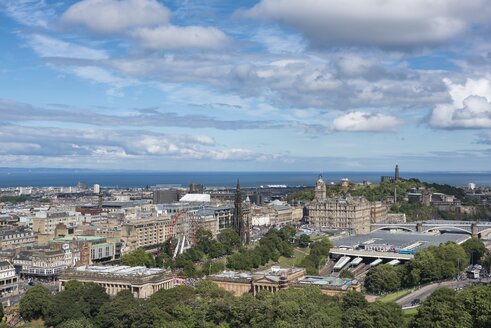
(434, 263)
(1, 312)
(475, 249)
(486, 262)
(119, 313)
(195, 254)
(302, 195)
(204, 239)
(212, 267)
(353, 299)
(378, 314)
(387, 315)
(94, 296)
(35, 302)
(321, 247)
(357, 318)
(190, 270)
(287, 232)
(304, 241)
(164, 261)
(77, 301)
(216, 249)
(477, 302)
(138, 257)
(441, 309)
(210, 291)
(168, 246)
(229, 239)
(286, 249)
(76, 323)
(383, 278)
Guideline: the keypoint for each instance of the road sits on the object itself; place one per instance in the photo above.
(427, 290)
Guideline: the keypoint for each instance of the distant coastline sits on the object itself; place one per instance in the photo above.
(43, 177)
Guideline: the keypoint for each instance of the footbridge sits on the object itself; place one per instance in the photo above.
(474, 228)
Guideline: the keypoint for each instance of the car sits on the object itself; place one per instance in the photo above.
(415, 301)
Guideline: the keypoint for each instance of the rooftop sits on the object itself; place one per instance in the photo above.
(121, 270)
(199, 198)
(70, 238)
(400, 239)
(233, 275)
(326, 281)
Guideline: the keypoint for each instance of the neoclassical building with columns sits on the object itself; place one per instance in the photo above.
(275, 278)
(272, 280)
(141, 281)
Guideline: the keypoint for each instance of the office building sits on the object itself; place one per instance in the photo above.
(146, 232)
(166, 196)
(195, 188)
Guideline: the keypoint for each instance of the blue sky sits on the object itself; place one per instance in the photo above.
(334, 85)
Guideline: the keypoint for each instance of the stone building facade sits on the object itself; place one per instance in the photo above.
(146, 232)
(353, 214)
(275, 278)
(140, 281)
(16, 238)
(271, 280)
(350, 213)
(9, 282)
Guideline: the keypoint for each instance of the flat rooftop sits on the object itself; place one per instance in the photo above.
(70, 238)
(278, 271)
(400, 239)
(122, 270)
(327, 281)
(233, 275)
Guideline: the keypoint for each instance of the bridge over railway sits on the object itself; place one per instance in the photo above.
(474, 228)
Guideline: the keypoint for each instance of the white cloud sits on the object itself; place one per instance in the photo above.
(365, 122)
(114, 16)
(355, 65)
(172, 37)
(388, 23)
(49, 47)
(35, 13)
(100, 75)
(100, 143)
(470, 107)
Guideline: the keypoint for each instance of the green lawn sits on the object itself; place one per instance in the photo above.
(409, 315)
(410, 312)
(394, 296)
(316, 238)
(294, 261)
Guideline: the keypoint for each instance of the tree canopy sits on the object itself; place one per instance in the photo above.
(209, 306)
(138, 257)
(383, 278)
(475, 249)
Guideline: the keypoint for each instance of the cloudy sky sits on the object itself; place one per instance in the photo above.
(332, 85)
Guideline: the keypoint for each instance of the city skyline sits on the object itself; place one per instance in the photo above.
(246, 85)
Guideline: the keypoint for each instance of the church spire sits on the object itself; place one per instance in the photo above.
(238, 219)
